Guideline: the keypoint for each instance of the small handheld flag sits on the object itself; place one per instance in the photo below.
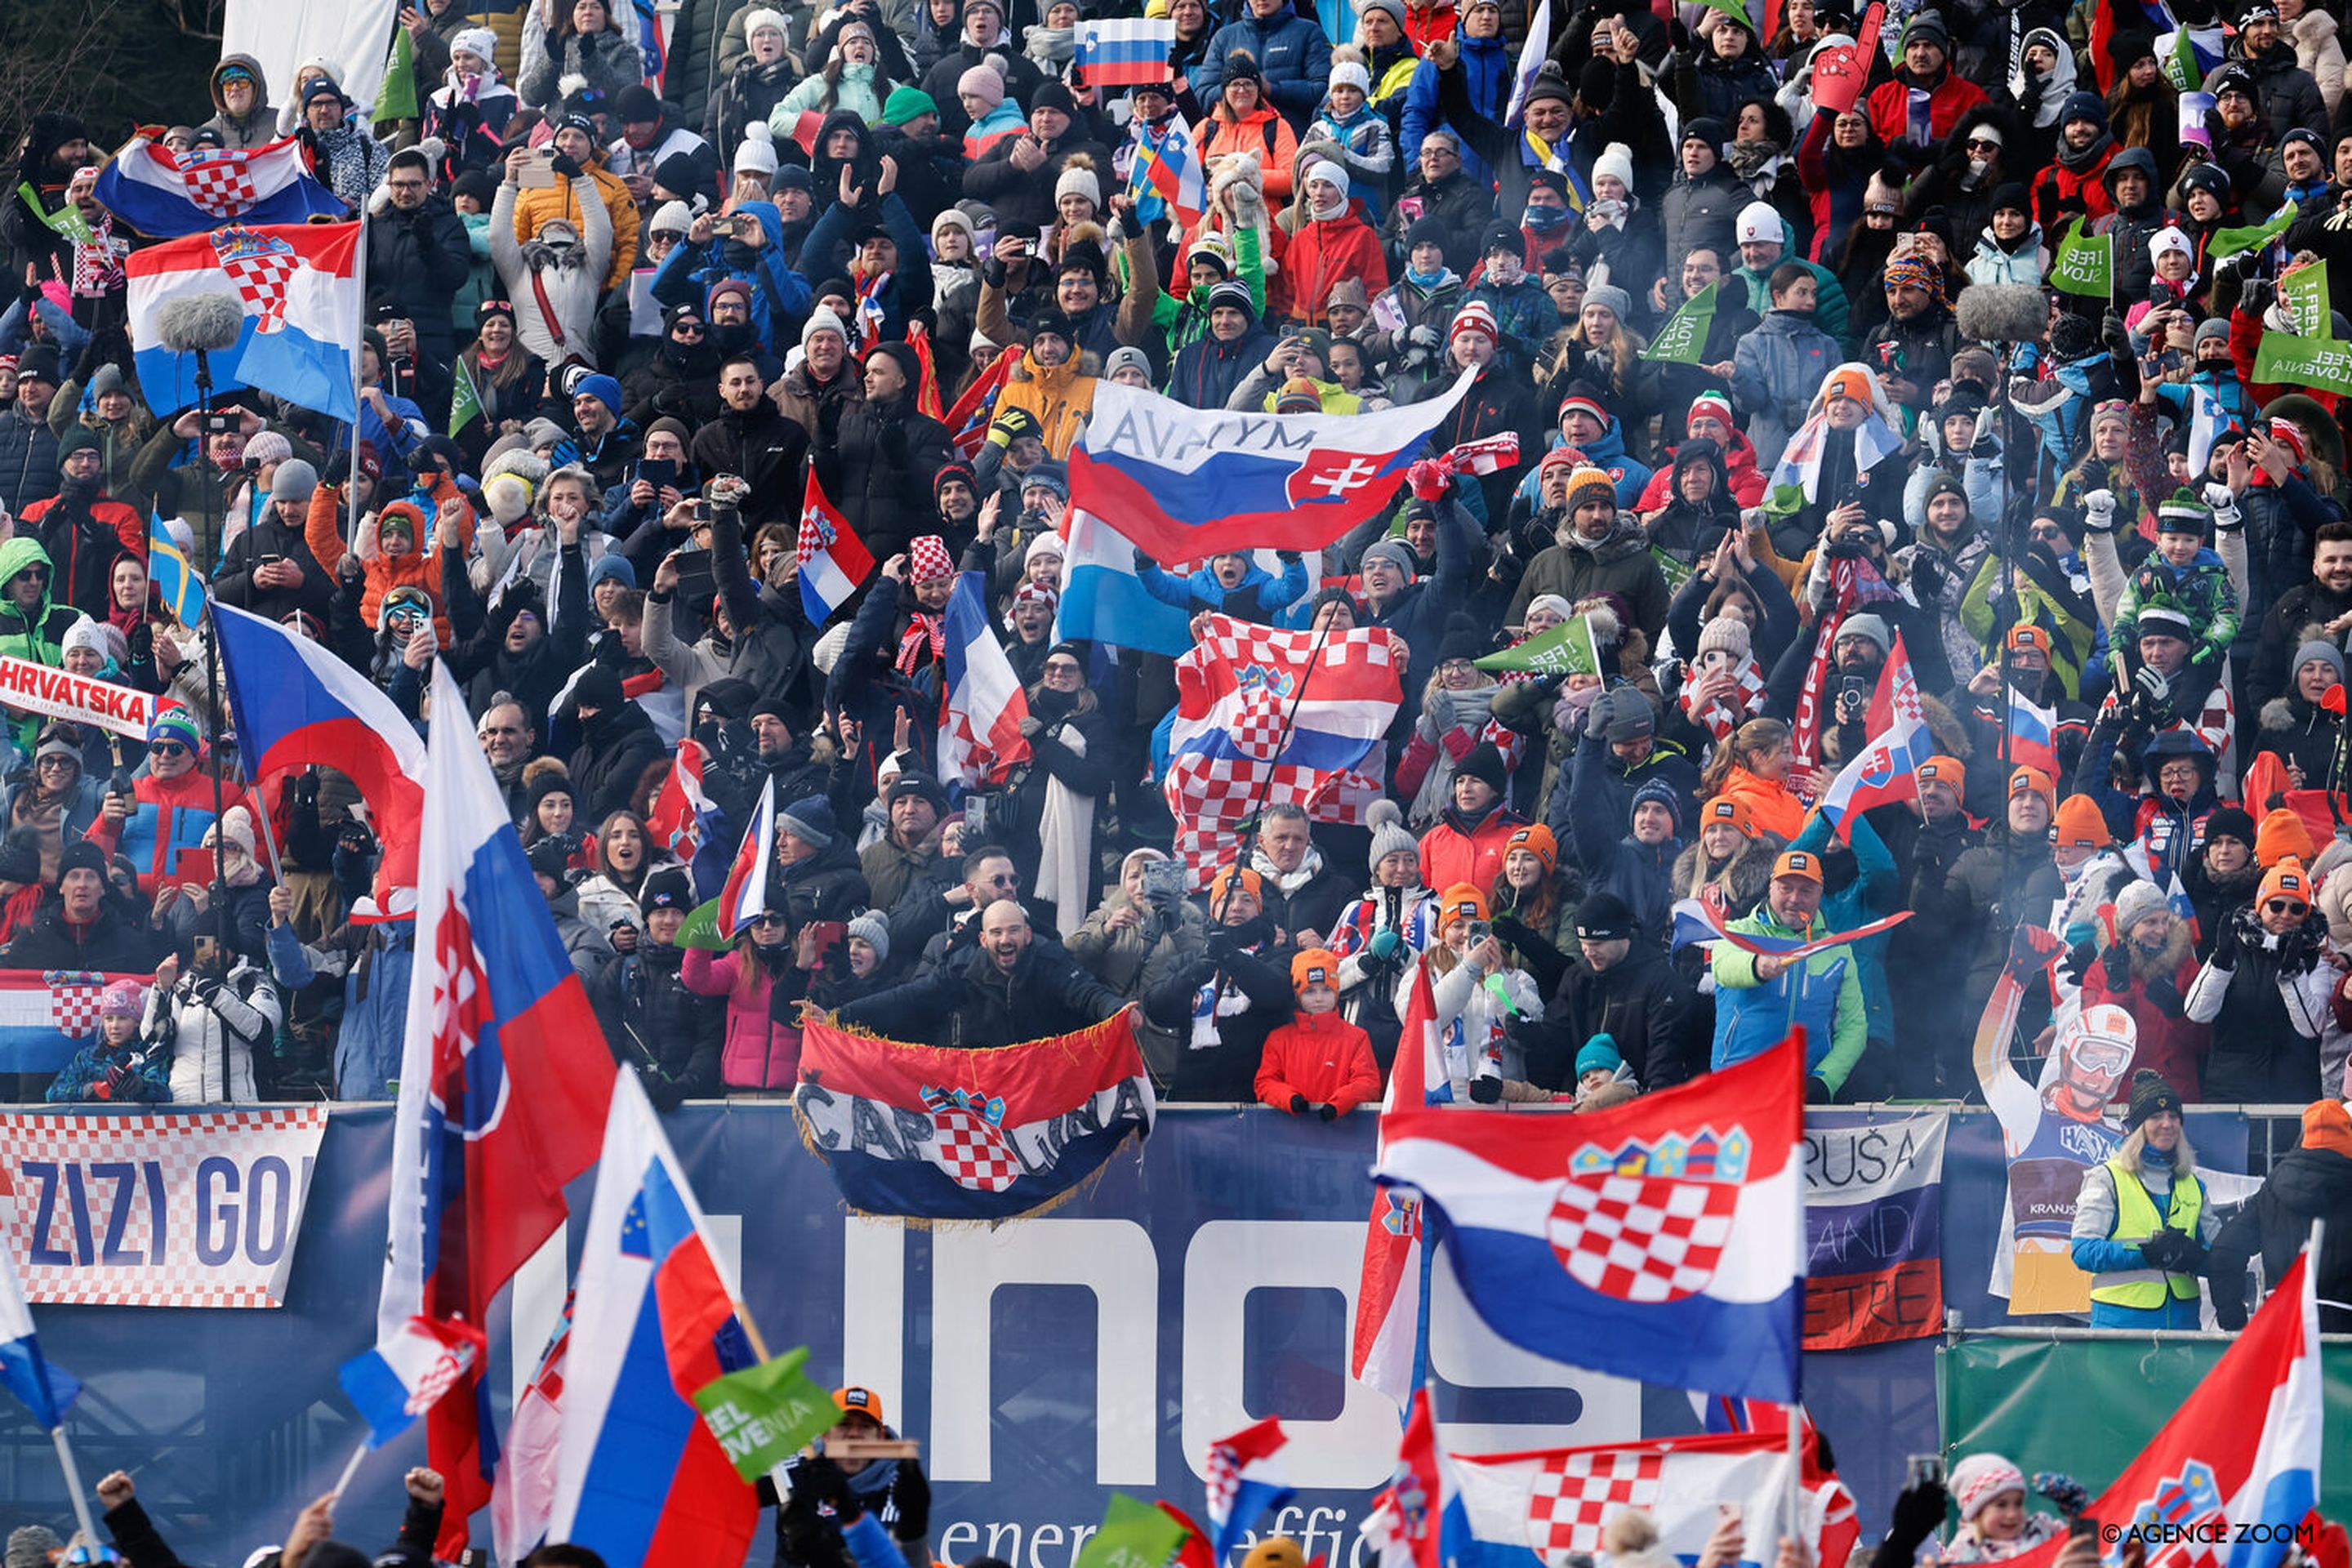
(2084, 265)
(833, 560)
(762, 1415)
(465, 401)
(177, 583)
(400, 1379)
(746, 893)
(1684, 337)
(1245, 1481)
(1125, 51)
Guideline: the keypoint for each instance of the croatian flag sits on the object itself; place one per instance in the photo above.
(980, 724)
(402, 1377)
(1187, 483)
(1538, 1509)
(1168, 176)
(47, 1015)
(1404, 1524)
(638, 1476)
(744, 896)
(683, 820)
(1662, 1240)
(297, 704)
(504, 1085)
(166, 196)
(1125, 51)
(48, 1392)
(2032, 732)
(1887, 768)
(833, 560)
(1245, 1479)
(299, 288)
(1389, 1296)
(524, 1498)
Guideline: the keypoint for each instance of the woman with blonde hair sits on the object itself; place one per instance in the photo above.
(1476, 992)
(1753, 767)
(2143, 1221)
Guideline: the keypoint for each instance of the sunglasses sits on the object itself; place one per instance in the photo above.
(767, 920)
(2285, 907)
(1976, 142)
(166, 748)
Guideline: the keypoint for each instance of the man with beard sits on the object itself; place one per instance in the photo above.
(2324, 602)
(83, 532)
(2244, 144)
(955, 504)
(751, 438)
(1601, 551)
(1913, 347)
(873, 456)
(825, 374)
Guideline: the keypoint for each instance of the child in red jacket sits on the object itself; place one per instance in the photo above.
(1318, 1059)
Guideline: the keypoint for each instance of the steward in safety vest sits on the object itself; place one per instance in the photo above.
(2141, 1223)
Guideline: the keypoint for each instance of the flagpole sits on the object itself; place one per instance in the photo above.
(350, 1468)
(351, 480)
(73, 1483)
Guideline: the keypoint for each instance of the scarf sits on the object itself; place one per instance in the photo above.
(1289, 882)
(2082, 163)
(924, 634)
(1854, 584)
(869, 309)
(1218, 998)
(1718, 719)
(1066, 832)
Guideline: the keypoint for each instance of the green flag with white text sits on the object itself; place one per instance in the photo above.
(1133, 1535)
(1676, 571)
(2228, 242)
(1566, 650)
(2305, 292)
(764, 1414)
(2086, 265)
(1684, 337)
(397, 98)
(2304, 362)
(465, 402)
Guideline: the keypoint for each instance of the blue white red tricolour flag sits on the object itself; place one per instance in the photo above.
(1010, 1129)
(684, 821)
(1697, 921)
(1391, 1294)
(47, 1015)
(980, 741)
(504, 1085)
(2031, 729)
(1537, 1509)
(1126, 50)
(833, 560)
(1265, 716)
(2243, 1449)
(166, 196)
(1663, 1239)
(1886, 769)
(1103, 601)
(1168, 177)
(400, 1379)
(1405, 1526)
(1246, 1478)
(650, 43)
(1186, 483)
(968, 420)
(1531, 60)
(48, 1392)
(745, 892)
(1873, 1218)
(638, 1476)
(299, 288)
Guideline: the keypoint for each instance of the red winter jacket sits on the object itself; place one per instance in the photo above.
(1449, 856)
(1890, 106)
(1324, 253)
(2168, 1043)
(1740, 467)
(2058, 192)
(1321, 1055)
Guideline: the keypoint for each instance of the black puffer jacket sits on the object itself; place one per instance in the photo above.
(1257, 980)
(969, 1004)
(875, 461)
(2306, 1183)
(652, 1021)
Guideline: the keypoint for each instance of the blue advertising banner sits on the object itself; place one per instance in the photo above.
(1042, 1363)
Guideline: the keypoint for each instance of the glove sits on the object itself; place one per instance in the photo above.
(1817, 1090)
(1297, 1105)
(1142, 560)
(2116, 962)
(1385, 947)
(2077, 965)
(665, 1091)
(1424, 337)
(2229, 1304)
(1919, 1510)
(2065, 1493)
(2028, 957)
(2260, 294)
(2099, 512)
(1429, 478)
(2164, 997)
(339, 468)
(565, 166)
(2225, 945)
(2224, 502)
(2151, 685)
(1485, 1090)
(1328, 1113)
(820, 1480)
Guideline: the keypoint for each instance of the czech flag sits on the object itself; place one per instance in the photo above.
(745, 893)
(1663, 1240)
(980, 728)
(165, 194)
(504, 1085)
(833, 561)
(298, 285)
(638, 1476)
(402, 1377)
(1245, 1481)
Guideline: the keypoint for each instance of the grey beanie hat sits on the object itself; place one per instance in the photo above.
(2317, 649)
(875, 931)
(1618, 302)
(1866, 625)
(106, 378)
(2137, 902)
(29, 1546)
(1123, 356)
(294, 480)
(1395, 552)
(1389, 836)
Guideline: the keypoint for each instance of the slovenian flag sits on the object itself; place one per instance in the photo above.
(407, 1371)
(1245, 1481)
(297, 287)
(1168, 176)
(48, 1392)
(745, 895)
(834, 562)
(166, 196)
(980, 728)
(1125, 51)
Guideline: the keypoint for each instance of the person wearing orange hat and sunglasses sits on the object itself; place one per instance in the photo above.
(2266, 990)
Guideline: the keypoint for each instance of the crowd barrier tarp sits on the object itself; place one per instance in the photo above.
(2024, 1397)
(1043, 1363)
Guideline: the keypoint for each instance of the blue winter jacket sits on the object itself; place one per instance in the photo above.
(1292, 53)
(1486, 69)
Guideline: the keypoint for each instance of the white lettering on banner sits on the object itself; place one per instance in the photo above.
(44, 690)
(1326, 1532)
(157, 1211)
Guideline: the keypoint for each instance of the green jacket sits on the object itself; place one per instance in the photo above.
(1182, 323)
(38, 634)
(1823, 994)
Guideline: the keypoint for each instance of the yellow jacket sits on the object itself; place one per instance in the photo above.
(1062, 398)
(534, 208)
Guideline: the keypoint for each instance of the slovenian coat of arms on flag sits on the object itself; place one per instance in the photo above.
(932, 1133)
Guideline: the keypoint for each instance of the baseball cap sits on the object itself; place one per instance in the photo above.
(1799, 863)
(856, 1401)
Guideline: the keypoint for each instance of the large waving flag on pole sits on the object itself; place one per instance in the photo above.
(504, 1087)
(298, 285)
(1186, 483)
(165, 194)
(1404, 1525)
(1245, 1481)
(638, 1476)
(1662, 1240)
(48, 1392)
(1391, 1291)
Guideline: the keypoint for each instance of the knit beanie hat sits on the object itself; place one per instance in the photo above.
(1389, 837)
(810, 820)
(294, 480)
(1484, 763)
(1725, 633)
(1395, 552)
(1862, 624)
(1588, 485)
(2137, 902)
(1537, 840)
(1979, 1478)
(2282, 835)
(2080, 824)
(984, 82)
(2150, 1094)
(875, 931)
(2231, 822)
(907, 103)
(1658, 791)
(823, 319)
(2328, 1124)
(124, 999)
(1599, 1055)
(2318, 649)
(1314, 966)
(1616, 159)
(29, 1546)
(2285, 881)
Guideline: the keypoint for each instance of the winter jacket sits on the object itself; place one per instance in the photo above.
(607, 59)
(1620, 563)
(1458, 850)
(1325, 253)
(755, 1052)
(2267, 997)
(556, 305)
(214, 1027)
(780, 295)
(28, 459)
(83, 544)
(1292, 55)
(671, 1033)
(1822, 992)
(107, 944)
(968, 1003)
(875, 461)
(373, 963)
(257, 125)
(1639, 1001)
(1320, 1058)
(2305, 1184)
(1703, 212)
(1777, 368)
(1486, 63)
(534, 208)
(1889, 107)
(2153, 987)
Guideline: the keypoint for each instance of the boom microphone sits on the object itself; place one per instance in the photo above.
(200, 323)
(2003, 313)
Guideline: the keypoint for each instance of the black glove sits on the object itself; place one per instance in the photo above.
(339, 468)
(820, 1480)
(2164, 997)
(2260, 294)
(2116, 962)
(1485, 1090)
(666, 1092)
(2225, 943)
(2077, 965)
(2229, 1304)
(1817, 1090)
(1328, 1113)
(2169, 1250)
(1297, 1105)
(1142, 560)
(1919, 1512)
(565, 166)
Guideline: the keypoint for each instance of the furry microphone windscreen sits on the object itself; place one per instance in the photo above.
(200, 323)
(2003, 313)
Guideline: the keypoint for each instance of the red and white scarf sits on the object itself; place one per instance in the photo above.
(1720, 718)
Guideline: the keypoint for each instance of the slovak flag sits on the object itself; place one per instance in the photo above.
(2243, 1449)
(980, 723)
(299, 288)
(638, 1476)
(401, 1378)
(48, 1392)
(165, 194)
(2032, 734)
(1887, 768)
(1245, 1481)
(1404, 1524)
(833, 560)
(1188, 483)
(1663, 1239)
(745, 894)
(504, 1085)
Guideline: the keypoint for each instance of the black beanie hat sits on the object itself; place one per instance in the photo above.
(2149, 1095)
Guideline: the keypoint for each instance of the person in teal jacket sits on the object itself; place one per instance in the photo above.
(1759, 998)
(32, 624)
(1875, 892)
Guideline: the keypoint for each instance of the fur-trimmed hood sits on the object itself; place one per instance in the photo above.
(1745, 881)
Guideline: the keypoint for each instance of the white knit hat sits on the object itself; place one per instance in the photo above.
(1324, 169)
(1079, 179)
(1616, 159)
(1761, 221)
(756, 155)
(761, 16)
(479, 42)
(1351, 73)
(823, 319)
(672, 217)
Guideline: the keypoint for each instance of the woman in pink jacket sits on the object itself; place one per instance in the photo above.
(759, 1053)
